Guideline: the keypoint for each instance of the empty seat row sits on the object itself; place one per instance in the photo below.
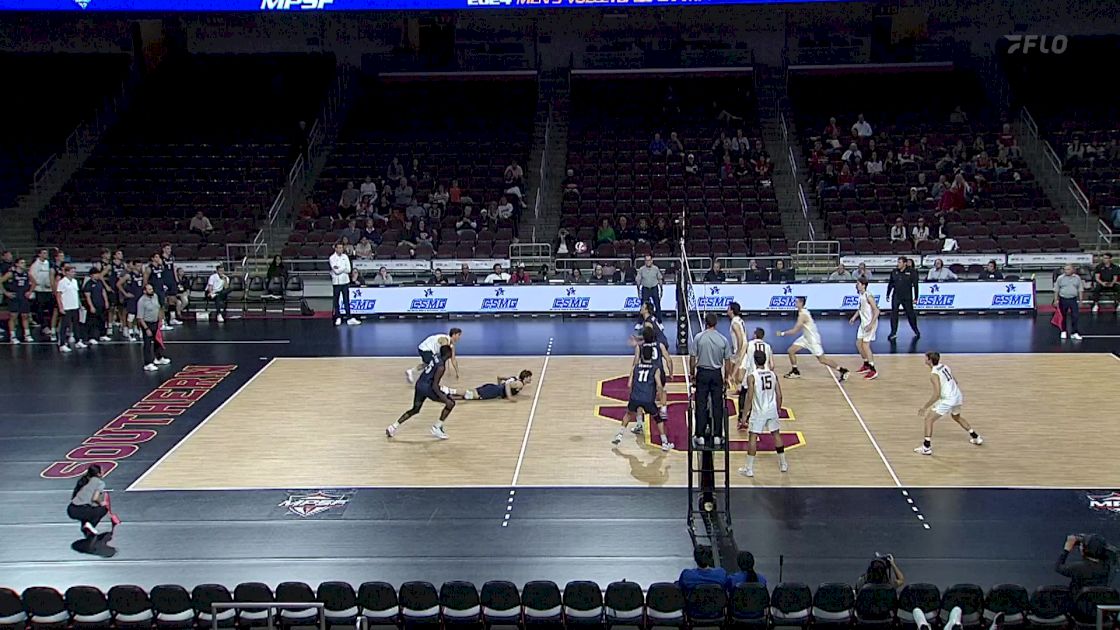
(543, 604)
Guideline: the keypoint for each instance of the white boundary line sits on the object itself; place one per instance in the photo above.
(533, 486)
(866, 430)
(186, 437)
(624, 354)
(532, 415)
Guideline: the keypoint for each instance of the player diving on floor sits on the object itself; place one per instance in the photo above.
(506, 387)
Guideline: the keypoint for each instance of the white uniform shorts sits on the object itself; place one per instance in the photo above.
(814, 349)
(943, 407)
(866, 335)
(764, 423)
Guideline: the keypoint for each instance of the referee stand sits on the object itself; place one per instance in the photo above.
(709, 466)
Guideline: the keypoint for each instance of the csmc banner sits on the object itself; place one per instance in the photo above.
(314, 6)
(962, 296)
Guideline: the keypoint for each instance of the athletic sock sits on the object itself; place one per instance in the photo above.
(781, 458)
(871, 364)
(619, 434)
(750, 461)
(927, 443)
(664, 438)
(439, 424)
(470, 395)
(396, 425)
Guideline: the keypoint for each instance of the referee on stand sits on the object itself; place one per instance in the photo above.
(709, 360)
(650, 278)
(902, 290)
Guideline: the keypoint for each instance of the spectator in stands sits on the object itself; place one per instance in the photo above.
(755, 274)
(982, 162)
(743, 169)
(674, 148)
(504, 209)
(465, 277)
(722, 145)
(907, 154)
(956, 196)
(1007, 139)
(841, 273)
(66, 295)
(705, 572)
(657, 146)
(610, 271)
(414, 170)
(564, 244)
(497, 276)
(347, 247)
(575, 276)
(276, 270)
(201, 225)
(414, 211)
(831, 131)
(598, 276)
(746, 573)
(882, 570)
(440, 196)
(827, 180)
(514, 174)
(691, 166)
(384, 207)
(395, 172)
(727, 169)
(739, 146)
(1075, 153)
(940, 273)
(625, 232)
(368, 190)
(861, 128)
(716, 273)
(1002, 163)
(348, 201)
(919, 232)
(913, 203)
(846, 179)
(350, 233)
(863, 272)
(485, 218)
(942, 227)
(309, 210)
(780, 273)
(340, 284)
(890, 163)
(364, 249)
(217, 288)
(763, 167)
(570, 183)
(438, 279)
(958, 117)
(454, 193)
(520, 275)
(874, 165)
(662, 231)
(423, 235)
(853, 155)
(403, 195)
(370, 233)
(383, 278)
(1069, 291)
(818, 156)
(467, 221)
(643, 233)
(1104, 281)
(991, 272)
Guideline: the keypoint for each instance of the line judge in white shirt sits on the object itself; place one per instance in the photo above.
(340, 286)
(217, 288)
(66, 293)
(497, 276)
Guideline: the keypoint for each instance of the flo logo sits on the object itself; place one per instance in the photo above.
(1044, 44)
(306, 505)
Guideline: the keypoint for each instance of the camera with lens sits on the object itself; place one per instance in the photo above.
(1095, 546)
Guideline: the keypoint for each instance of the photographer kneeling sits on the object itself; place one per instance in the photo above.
(1092, 569)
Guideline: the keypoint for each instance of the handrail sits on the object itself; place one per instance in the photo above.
(1079, 196)
(1028, 120)
(1101, 610)
(1052, 157)
(320, 607)
(544, 159)
(1104, 232)
(805, 212)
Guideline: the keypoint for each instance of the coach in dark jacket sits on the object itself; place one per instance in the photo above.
(902, 291)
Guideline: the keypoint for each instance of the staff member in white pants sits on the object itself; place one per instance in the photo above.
(340, 285)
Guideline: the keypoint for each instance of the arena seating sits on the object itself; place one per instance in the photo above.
(208, 132)
(466, 131)
(613, 124)
(580, 604)
(1098, 172)
(50, 96)
(1008, 211)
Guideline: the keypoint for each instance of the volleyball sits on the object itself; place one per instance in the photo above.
(581, 247)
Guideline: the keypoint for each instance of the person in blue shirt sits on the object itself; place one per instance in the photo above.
(704, 573)
(746, 573)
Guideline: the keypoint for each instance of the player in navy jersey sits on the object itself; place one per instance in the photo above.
(646, 318)
(428, 387)
(171, 278)
(96, 300)
(18, 288)
(647, 390)
(505, 387)
(131, 287)
(118, 315)
(661, 358)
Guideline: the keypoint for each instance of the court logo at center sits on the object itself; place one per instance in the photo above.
(305, 505)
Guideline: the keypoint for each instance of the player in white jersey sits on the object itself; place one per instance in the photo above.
(810, 340)
(946, 399)
(429, 349)
(738, 334)
(748, 367)
(868, 315)
(764, 398)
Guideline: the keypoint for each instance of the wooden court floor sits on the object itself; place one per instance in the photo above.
(1049, 420)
